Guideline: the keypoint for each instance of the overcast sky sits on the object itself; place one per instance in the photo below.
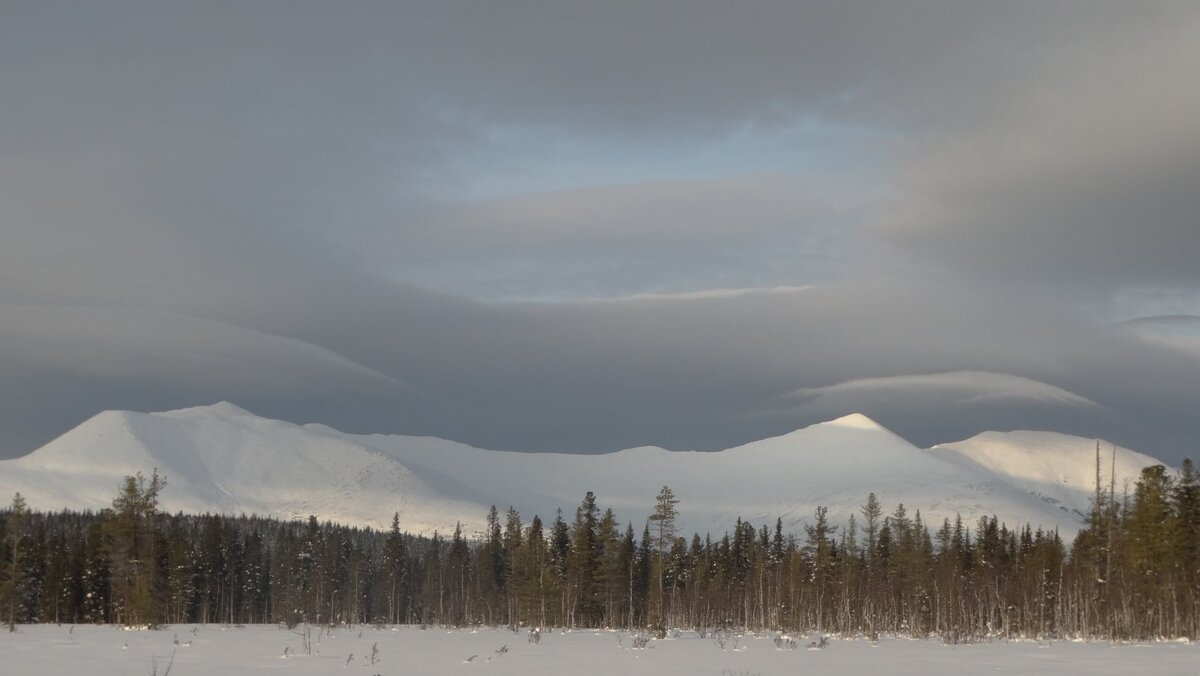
(588, 226)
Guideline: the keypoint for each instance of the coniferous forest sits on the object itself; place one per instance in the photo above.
(1133, 572)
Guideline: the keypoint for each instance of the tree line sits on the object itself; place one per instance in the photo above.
(1133, 572)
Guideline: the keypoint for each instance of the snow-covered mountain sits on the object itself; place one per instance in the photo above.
(1060, 469)
(222, 458)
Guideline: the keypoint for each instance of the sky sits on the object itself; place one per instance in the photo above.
(579, 227)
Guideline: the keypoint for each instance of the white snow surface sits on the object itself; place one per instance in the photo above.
(258, 649)
(1058, 468)
(221, 458)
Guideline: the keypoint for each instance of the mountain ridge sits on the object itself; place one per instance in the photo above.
(222, 458)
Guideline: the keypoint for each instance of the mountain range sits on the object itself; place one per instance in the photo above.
(222, 458)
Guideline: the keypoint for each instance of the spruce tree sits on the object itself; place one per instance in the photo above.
(584, 561)
(492, 569)
(819, 549)
(536, 575)
(1185, 504)
(458, 572)
(395, 563)
(627, 564)
(14, 532)
(512, 540)
(609, 570)
(560, 552)
(642, 575)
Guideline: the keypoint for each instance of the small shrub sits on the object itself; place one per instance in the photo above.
(154, 666)
(725, 638)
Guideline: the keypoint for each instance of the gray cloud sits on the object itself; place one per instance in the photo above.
(275, 204)
(741, 232)
(966, 387)
(1084, 183)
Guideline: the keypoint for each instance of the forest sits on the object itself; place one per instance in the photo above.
(1133, 571)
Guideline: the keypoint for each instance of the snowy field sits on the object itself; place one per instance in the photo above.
(230, 651)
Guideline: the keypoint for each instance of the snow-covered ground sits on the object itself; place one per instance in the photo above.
(228, 651)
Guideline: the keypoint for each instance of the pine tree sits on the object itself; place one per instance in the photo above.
(663, 521)
(130, 528)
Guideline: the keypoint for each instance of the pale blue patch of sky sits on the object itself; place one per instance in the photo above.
(525, 160)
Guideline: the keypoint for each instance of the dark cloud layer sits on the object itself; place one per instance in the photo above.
(278, 204)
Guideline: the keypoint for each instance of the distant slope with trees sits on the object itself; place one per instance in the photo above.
(1132, 573)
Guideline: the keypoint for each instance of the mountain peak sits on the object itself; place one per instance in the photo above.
(221, 408)
(857, 421)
